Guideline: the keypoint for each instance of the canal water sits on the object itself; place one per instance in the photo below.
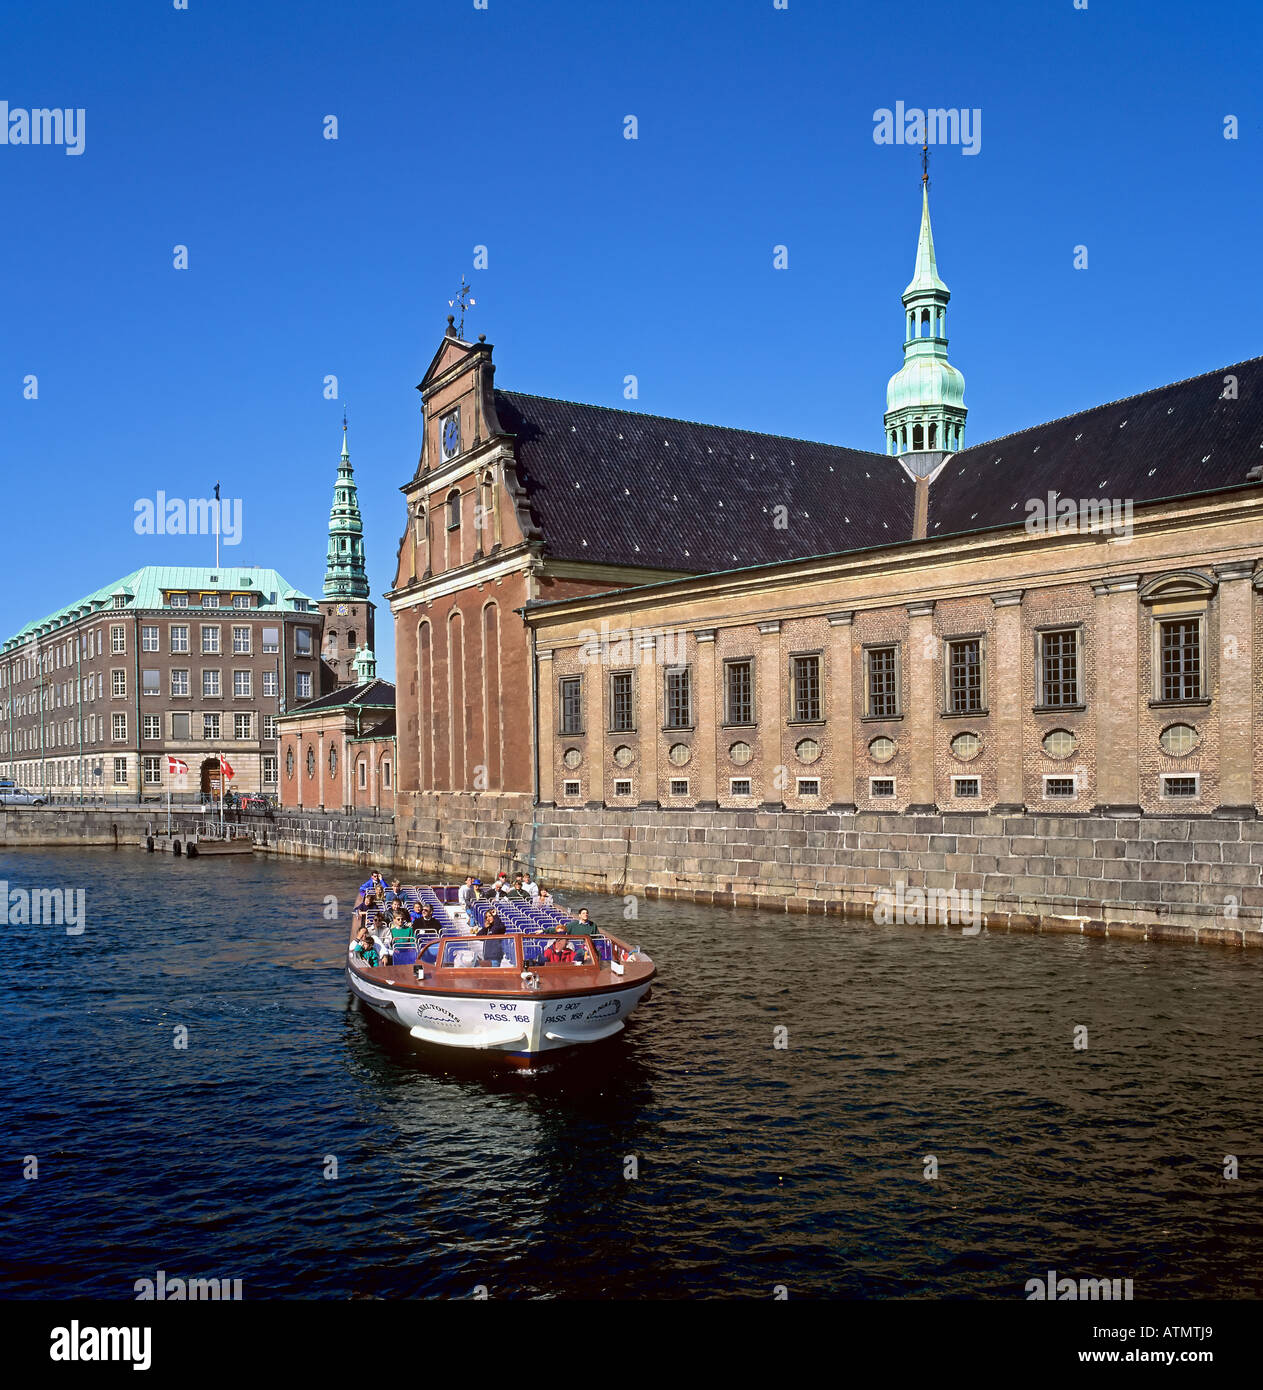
(691, 1156)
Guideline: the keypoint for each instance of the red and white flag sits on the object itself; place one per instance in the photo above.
(226, 767)
(176, 767)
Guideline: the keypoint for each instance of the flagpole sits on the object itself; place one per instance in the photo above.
(217, 505)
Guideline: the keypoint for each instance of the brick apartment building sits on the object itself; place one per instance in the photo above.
(189, 661)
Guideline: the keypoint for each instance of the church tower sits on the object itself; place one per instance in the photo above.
(348, 613)
(925, 400)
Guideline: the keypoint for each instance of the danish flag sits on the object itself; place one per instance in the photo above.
(176, 767)
(226, 767)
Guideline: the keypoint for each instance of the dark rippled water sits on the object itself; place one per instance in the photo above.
(758, 1166)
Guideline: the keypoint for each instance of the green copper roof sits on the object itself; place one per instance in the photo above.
(144, 589)
(925, 276)
(345, 573)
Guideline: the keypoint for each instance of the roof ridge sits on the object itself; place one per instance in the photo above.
(1105, 405)
(701, 424)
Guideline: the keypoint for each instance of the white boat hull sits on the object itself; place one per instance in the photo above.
(521, 1027)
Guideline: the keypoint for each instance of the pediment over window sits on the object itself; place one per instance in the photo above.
(1180, 586)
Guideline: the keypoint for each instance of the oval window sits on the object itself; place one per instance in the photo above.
(572, 757)
(1059, 743)
(882, 749)
(741, 752)
(966, 746)
(623, 755)
(807, 750)
(1178, 739)
(680, 753)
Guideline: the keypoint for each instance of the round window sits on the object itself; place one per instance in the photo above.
(966, 746)
(572, 757)
(289, 763)
(311, 762)
(882, 749)
(1178, 739)
(623, 755)
(741, 752)
(680, 753)
(807, 750)
(1060, 743)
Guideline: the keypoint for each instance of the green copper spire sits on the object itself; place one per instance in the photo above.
(925, 400)
(345, 574)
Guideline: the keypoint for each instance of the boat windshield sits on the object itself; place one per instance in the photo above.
(559, 949)
(489, 950)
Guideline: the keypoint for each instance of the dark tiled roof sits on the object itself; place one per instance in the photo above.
(384, 728)
(1175, 441)
(374, 693)
(618, 487)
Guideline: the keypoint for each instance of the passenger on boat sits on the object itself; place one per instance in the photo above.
(396, 894)
(426, 915)
(559, 952)
(372, 890)
(468, 893)
(545, 898)
(582, 923)
(365, 948)
(530, 887)
(381, 934)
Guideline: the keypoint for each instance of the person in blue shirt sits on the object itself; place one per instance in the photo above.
(372, 890)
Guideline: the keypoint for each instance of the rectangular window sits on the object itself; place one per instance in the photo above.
(622, 718)
(571, 705)
(179, 684)
(679, 786)
(883, 682)
(178, 600)
(622, 787)
(210, 685)
(739, 692)
(964, 676)
(210, 726)
(120, 772)
(271, 684)
(679, 698)
(966, 786)
(302, 641)
(151, 726)
(269, 771)
(241, 726)
(118, 639)
(1179, 786)
(739, 786)
(1180, 644)
(118, 728)
(179, 638)
(269, 726)
(152, 771)
(302, 685)
(271, 639)
(180, 726)
(1059, 668)
(386, 775)
(809, 786)
(151, 682)
(805, 676)
(242, 601)
(570, 789)
(881, 786)
(118, 683)
(149, 639)
(242, 685)
(210, 641)
(1059, 787)
(362, 767)
(210, 600)
(241, 640)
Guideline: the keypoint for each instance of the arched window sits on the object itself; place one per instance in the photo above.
(488, 521)
(311, 761)
(917, 437)
(333, 760)
(933, 437)
(453, 510)
(289, 764)
(350, 641)
(331, 644)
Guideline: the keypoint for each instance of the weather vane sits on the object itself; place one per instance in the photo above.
(925, 163)
(461, 303)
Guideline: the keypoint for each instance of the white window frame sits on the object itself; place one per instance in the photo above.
(814, 781)
(1183, 776)
(571, 787)
(623, 782)
(882, 796)
(675, 783)
(958, 778)
(735, 794)
(1071, 777)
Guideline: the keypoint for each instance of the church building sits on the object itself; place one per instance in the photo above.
(611, 613)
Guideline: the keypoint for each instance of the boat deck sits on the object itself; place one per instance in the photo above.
(488, 980)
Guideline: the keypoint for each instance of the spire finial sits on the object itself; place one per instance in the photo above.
(345, 453)
(925, 163)
(462, 303)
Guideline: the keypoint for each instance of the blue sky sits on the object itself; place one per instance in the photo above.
(504, 127)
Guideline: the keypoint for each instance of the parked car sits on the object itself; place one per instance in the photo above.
(13, 795)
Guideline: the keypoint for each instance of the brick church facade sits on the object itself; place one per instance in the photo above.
(651, 623)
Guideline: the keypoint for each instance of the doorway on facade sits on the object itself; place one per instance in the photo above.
(210, 777)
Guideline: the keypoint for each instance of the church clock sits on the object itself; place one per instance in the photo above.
(449, 435)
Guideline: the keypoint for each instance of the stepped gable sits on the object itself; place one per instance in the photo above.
(617, 487)
(1175, 441)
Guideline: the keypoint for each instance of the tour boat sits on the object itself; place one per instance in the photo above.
(498, 994)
